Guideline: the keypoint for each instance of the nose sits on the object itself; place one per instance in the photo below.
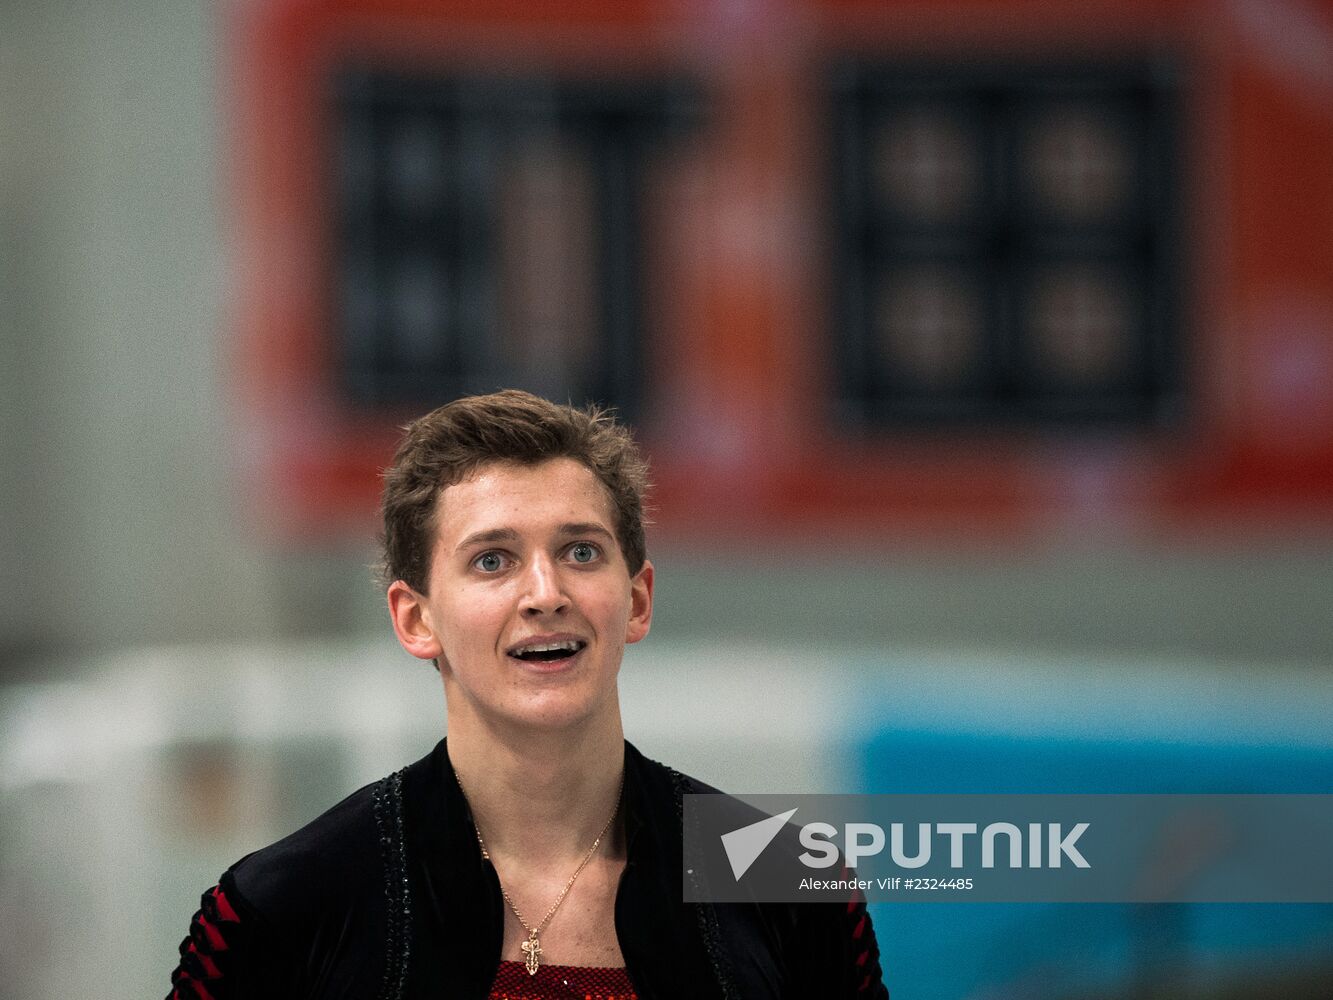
(543, 592)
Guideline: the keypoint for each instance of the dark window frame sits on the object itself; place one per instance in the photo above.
(1000, 246)
(618, 122)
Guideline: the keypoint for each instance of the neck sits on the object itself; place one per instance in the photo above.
(536, 794)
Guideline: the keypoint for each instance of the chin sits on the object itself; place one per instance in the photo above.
(558, 710)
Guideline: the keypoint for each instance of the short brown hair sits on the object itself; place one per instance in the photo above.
(449, 444)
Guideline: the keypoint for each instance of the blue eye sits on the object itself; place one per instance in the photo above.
(583, 552)
(489, 562)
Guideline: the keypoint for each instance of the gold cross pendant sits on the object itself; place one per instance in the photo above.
(531, 950)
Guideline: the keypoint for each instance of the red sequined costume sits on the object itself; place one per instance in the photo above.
(561, 982)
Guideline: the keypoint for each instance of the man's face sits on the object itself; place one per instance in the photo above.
(530, 603)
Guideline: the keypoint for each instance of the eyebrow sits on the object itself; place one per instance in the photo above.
(568, 529)
(584, 528)
(486, 537)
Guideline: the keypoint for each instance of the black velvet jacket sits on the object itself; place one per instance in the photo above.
(387, 896)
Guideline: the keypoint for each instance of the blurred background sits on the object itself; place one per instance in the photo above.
(983, 350)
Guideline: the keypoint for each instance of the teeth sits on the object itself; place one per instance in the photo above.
(569, 646)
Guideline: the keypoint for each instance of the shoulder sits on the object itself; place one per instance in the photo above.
(337, 856)
(818, 949)
(306, 915)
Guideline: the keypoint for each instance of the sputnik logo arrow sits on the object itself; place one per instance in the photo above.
(744, 846)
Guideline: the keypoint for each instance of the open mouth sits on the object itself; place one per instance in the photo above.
(547, 652)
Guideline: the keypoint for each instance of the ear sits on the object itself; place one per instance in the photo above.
(640, 604)
(407, 610)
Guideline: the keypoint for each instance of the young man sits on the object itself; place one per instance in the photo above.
(535, 853)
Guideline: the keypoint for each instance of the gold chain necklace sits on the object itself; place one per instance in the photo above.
(532, 948)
